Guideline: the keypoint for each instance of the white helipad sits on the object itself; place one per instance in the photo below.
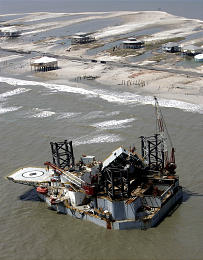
(31, 175)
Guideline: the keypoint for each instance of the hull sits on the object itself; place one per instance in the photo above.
(123, 224)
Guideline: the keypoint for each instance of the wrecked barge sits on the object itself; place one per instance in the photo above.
(125, 191)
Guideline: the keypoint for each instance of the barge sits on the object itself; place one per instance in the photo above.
(125, 191)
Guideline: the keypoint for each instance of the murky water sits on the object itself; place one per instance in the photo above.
(33, 115)
(186, 8)
(98, 119)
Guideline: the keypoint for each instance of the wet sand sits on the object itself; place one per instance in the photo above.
(99, 115)
(40, 36)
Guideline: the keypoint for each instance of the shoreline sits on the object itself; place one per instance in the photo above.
(163, 79)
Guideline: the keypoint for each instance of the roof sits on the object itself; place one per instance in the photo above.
(79, 37)
(132, 39)
(199, 57)
(8, 29)
(115, 154)
(82, 34)
(44, 60)
(191, 48)
(132, 42)
(170, 44)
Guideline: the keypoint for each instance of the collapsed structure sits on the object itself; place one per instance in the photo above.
(82, 38)
(124, 191)
(171, 47)
(191, 50)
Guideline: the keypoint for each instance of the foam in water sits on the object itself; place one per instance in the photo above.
(113, 124)
(68, 115)
(111, 138)
(43, 114)
(112, 97)
(100, 114)
(7, 94)
(93, 115)
(13, 92)
(113, 113)
(4, 110)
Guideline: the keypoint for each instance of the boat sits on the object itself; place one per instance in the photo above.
(127, 190)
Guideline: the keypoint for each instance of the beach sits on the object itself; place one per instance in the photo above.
(41, 36)
(101, 97)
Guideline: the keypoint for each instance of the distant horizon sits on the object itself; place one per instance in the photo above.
(190, 9)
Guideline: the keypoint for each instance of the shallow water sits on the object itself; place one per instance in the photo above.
(47, 112)
(186, 8)
(98, 119)
(118, 43)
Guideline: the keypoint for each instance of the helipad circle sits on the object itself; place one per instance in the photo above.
(32, 174)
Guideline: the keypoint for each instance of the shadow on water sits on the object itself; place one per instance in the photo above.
(187, 194)
(30, 195)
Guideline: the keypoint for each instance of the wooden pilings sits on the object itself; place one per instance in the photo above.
(140, 83)
(44, 68)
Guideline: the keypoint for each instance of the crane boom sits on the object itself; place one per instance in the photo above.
(162, 130)
(71, 177)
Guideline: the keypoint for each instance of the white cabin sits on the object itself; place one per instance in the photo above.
(44, 64)
(9, 32)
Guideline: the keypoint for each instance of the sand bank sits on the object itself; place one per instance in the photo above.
(39, 37)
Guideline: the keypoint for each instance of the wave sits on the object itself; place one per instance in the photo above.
(114, 124)
(3, 97)
(13, 92)
(113, 113)
(124, 98)
(43, 114)
(67, 115)
(60, 88)
(99, 114)
(97, 139)
(4, 110)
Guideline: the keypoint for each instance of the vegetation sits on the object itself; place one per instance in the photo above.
(157, 44)
(148, 46)
(125, 52)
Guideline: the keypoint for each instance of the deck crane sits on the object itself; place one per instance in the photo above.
(73, 180)
(154, 148)
(78, 182)
(161, 129)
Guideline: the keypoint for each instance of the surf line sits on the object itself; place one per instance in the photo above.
(124, 98)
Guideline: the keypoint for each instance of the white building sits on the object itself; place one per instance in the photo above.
(132, 43)
(44, 64)
(198, 57)
(9, 32)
